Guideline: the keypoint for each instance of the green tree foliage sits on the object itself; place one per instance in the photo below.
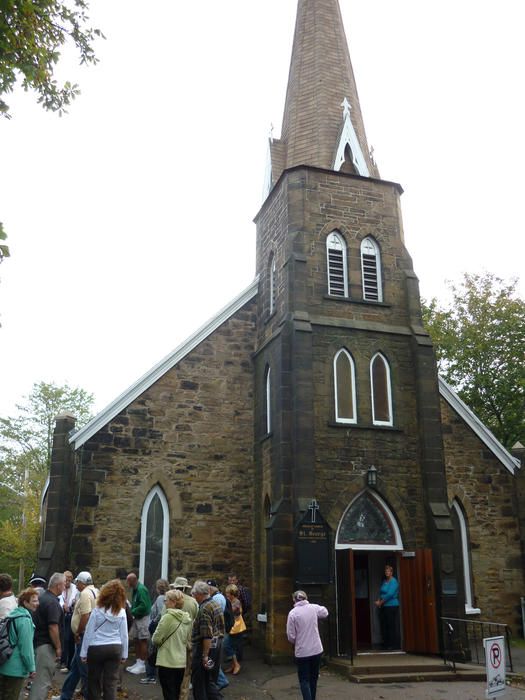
(31, 34)
(26, 442)
(4, 249)
(480, 346)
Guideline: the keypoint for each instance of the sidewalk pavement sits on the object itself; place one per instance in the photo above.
(258, 681)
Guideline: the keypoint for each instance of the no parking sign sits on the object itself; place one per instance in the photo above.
(495, 661)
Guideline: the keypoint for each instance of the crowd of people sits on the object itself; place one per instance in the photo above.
(183, 638)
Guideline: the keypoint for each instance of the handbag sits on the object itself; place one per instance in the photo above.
(239, 626)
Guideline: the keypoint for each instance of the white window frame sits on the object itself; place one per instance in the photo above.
(377, 252)
(156, 490)
(342, 243)
(398, 544)
(272, 272)
(467, 571)
(389, 390)
(268, 400)
(338, 418)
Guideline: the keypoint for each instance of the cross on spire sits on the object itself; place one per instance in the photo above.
(313, 507)
(346, 108)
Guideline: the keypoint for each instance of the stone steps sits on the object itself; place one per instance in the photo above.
(412, 671)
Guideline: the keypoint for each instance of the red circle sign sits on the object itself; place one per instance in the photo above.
(495, 655)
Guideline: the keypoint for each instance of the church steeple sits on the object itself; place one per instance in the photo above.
(322, 123)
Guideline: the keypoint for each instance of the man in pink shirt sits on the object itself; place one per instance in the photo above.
(303, 632)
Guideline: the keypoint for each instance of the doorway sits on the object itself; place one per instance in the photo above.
(359, 577)
(368, 574)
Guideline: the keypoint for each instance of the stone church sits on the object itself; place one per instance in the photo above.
(302, 437)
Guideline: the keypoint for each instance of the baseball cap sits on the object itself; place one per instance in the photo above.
(84, 577)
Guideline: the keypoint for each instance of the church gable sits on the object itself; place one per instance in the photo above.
(190, 435)
(142, 384)
(482, 489)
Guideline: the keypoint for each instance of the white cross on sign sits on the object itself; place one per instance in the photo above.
(313, 507)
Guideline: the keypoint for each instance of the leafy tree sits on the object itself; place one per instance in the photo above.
(480, 346)
(4, 250)
(31, 34)
(26, 441)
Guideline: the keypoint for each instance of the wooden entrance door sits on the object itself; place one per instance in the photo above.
(345, 602)
(418, 602)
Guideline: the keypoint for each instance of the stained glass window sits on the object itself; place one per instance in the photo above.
(365, 523)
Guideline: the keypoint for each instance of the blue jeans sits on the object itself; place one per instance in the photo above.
(77, 671)
(151, 671)
(308, 673)
(222, 681)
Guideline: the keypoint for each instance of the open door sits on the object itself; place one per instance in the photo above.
(345, 602)
(418, 602)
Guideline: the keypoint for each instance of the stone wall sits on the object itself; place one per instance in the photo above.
(486, 490)
(192, 433)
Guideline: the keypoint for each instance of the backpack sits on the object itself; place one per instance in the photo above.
(229, 617)
(6, 649)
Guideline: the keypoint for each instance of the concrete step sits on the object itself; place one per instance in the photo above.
(419, 677)
(400, 670)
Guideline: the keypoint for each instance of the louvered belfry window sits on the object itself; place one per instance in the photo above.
(371, 270)
(337, 270)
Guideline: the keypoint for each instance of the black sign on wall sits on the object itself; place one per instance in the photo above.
(313, 553)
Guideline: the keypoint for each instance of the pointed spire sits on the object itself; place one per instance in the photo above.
(322, 106)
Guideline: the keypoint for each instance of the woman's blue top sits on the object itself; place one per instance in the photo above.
(389, 593)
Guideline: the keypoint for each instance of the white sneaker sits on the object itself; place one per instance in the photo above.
(139, 668)
(131, 668)
(56, 697)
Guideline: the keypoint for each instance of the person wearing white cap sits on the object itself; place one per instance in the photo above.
(84, 605)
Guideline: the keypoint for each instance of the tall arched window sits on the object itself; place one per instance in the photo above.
(381, 391)
(465, 552)
(337, 266)
(268, 402)
(371, 270)
(154, 538)
(344, 385)
(272, 283)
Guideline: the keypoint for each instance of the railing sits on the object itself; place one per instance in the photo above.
(463, 641)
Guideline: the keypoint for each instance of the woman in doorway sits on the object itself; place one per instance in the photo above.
(388, 605)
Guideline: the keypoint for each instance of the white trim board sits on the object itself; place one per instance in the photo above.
(135, 390)
(481, 430)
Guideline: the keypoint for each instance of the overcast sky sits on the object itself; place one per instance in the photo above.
(130, 219)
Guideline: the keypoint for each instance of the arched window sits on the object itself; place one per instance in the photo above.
(268, 402)
(465, 552)
(337, 266)
(272, 283)
(381, 391)
(344, 385)
(368, 523)
(371, 270)
(154, 538)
